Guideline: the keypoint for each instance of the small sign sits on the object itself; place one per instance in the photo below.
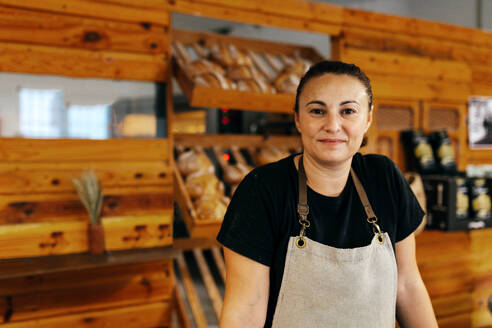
(480, 122)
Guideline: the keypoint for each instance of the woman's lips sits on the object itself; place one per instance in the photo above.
(331, 141)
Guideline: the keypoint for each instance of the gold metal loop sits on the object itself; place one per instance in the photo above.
(378, 233)
(300, 242)
(305, 223)
(372, 220)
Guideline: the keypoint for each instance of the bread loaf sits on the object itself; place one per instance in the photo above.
(228, 55)
(210, 208)
(243, 72)
(214, 80)
(199, 185)
(203, 66)
(194, 161)
(289, 78)
(255, 85)
(233, 174)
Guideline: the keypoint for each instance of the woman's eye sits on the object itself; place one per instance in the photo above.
(348, 111)
(316, 111)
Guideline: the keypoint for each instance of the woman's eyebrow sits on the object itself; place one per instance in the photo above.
(348, 102)
(316, 102)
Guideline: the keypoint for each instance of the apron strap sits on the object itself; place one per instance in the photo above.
(303, 208)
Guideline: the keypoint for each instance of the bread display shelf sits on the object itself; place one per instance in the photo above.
(268, 58)
(215, 146)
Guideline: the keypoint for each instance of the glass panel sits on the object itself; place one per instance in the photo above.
(42, 106)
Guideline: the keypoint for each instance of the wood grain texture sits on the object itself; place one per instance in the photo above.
(82, 150)
(139, 316)
(58, 207)
(53, 238)
(22, 178)
(297, 15)
(61, 30)
(81, 63)
(110, 10)
(79, 291)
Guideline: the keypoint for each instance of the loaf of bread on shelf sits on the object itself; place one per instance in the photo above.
(255, 85)
(288, 79)
(193, 161)
(200, 185)
(203, 66)
(214, 80)
(243, 72)
(211, 208)
(270, 154)
(228, 55)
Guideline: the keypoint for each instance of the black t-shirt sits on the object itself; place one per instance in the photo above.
(262, 214)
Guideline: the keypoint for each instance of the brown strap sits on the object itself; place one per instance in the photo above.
(362, 195)
(302, 206)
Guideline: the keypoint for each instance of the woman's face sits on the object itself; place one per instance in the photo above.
(333, 117)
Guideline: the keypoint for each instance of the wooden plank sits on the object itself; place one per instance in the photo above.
(32, 208)
(61, 293)
(81, 63)
(219, 261)
(16, 268)
(35, 27)
(96, 9)
(481, 248)
(481, 315)
(462, 320)
(481, 89)
(407, 65)
(82, 150)
(386, 41)
(208, 280)
(179, 305)
(415, 27)
(21, 178)
(191, 293)
(139, 316)
(40, 239)
(398, 88)
(453, 304)
(225, 10)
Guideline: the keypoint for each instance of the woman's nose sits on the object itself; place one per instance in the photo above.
(332, 122)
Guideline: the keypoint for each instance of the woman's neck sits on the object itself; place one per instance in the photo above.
(328, 180)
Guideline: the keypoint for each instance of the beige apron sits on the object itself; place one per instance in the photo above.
(323, 286)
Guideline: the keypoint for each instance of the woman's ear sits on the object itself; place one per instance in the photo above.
(369, 118)
(296, 120)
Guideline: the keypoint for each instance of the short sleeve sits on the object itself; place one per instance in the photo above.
(410, 214)
(247, 225)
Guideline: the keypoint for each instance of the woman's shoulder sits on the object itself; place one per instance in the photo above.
(275, 172)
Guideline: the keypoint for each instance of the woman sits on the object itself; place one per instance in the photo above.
(309, 240)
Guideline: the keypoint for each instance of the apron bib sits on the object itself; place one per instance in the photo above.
(324, 286)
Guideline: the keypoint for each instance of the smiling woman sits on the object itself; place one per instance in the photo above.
(329, 240)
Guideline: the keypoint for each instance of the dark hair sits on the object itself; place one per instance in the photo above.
(334, 67)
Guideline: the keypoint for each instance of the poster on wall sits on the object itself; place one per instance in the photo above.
(480, 122)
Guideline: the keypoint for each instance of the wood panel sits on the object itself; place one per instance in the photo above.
(45, 295)
(40, 239)
(386, 41)
(407, 65)
(110, 10)
(415, 27)
(241, 141)
(31, 208)
(81, 63)
(139, 316)
(22, 178)
(398, 88)
(297, 15)
(34, 27)
(82, 150)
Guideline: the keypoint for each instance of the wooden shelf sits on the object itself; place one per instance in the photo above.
(199, 96)
(62, 263)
